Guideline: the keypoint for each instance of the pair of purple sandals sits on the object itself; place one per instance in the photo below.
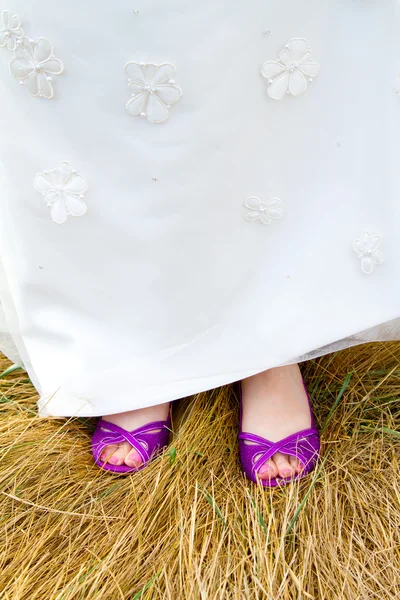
(150, 439)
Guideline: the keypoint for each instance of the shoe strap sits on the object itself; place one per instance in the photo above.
(296, 444)
(116, 434)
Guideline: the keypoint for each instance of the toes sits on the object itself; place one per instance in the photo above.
(107, 452)
(119, 454)
(296, 464)
(118, 458)
(268, 470)
(133, 459)
(285, 469)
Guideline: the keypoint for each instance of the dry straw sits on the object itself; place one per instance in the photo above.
(190, 526)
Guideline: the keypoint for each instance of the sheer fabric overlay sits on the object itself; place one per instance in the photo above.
(209, 192)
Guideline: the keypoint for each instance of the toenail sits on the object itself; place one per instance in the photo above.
(266, 470)
(265, 474)
(113, 460)
(286, 473)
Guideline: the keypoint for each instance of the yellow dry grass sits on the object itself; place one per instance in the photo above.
(190, 526)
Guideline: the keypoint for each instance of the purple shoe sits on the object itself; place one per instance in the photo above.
(148, 440)
(304, 445)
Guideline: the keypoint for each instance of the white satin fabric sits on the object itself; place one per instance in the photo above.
(163, 288)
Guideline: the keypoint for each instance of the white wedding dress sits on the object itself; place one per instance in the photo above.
(191, 193)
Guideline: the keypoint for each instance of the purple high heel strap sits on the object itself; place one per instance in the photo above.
(147, 440)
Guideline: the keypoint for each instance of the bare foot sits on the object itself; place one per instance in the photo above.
(275, 405)
(119, 454)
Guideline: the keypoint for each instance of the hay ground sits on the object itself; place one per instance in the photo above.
(190, 526)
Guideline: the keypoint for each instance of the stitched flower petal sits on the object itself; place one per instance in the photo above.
(42, 184)
(6, 19)
(137, 104)
(358, 247)
(51, 196)
(169, 94)
(32, 83)
(61, 175)
(265, 218)
(253, 215)
(20, 69)
(297, 83)
(25, 51)
(286, 57)
(11, 43)
(271, 69)
(253, 203)
(310, 69)
(53, 66)
(149, 71)
(3, 39)
(76, 185)
(371, 242)
(59, 212)
(298, 47)
(305, 58)
(18, 33)
(278, 88)
(164, 73)
(15, 23)
(367, 240)
(157, 112)
(273, 202)
(45, 87)
(75, 206)
(377, 257)
(43, 50)
(275, 213)
(134, 71)
(376, 240)
(136, 87)
(367, 265)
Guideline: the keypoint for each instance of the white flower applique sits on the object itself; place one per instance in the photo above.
(366, 249)
(292, 71)
(10, 31)
(153, 90)
(263, 210)
(63, 190)
(34, 65)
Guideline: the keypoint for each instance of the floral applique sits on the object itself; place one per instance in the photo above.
(34, 65)
(63, 190)
(366, 249)
(10, 31)
(153, 90)
(263, 210)
(293, 70)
